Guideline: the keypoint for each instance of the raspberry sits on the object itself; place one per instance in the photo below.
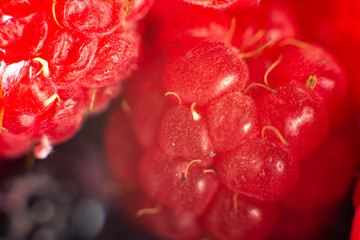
(63, 119)
(309, 62)
(237, 124)
(70, 56)
(259, 168)
(22, 80)
(224, 3)
(232, 114)
(234, 216)
(183, 187)
(113, 61)
(24, 37)
(199, 71)
(97, 100)
(298, 113)
(51, 54)
(93, 18)
(180, 135)
(231, 120)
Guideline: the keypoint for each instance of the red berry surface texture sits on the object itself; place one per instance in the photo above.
(239, 121)
(61, 61)
(228, 119)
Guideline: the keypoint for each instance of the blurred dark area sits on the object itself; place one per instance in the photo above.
(69, 195)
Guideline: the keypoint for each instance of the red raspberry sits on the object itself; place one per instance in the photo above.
(50, 51)
(199, 71)
(224, 3)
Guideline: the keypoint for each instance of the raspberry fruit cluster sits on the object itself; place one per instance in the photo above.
(231, 124)
(61, 60)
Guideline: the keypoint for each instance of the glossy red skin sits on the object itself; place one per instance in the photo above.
(298, 113)
(24, 37)
(326, 175)
(70, 56)
(222, 4)
(199, 71)
(298, 64)
(253, 219)
(181, 135)
(115, 59)
(19, 82)
(122, 148)
(97, 100)
(231, 120)
(18, 9)
(260, 169)
(77, 39)
(63, 119)
(167, 183)
(93, 18)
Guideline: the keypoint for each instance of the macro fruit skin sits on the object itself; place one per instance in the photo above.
(93, 17)
(55, 54)
(299, 114)
(188, 72)
(180, 135)
(243, 104)
(252, 219)
(72, 55)
(114, 61)
(183, 193)
(25, 35)
(64, 119)
(222, 4)
(231, 120)
(259, 168)
(300, 63)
